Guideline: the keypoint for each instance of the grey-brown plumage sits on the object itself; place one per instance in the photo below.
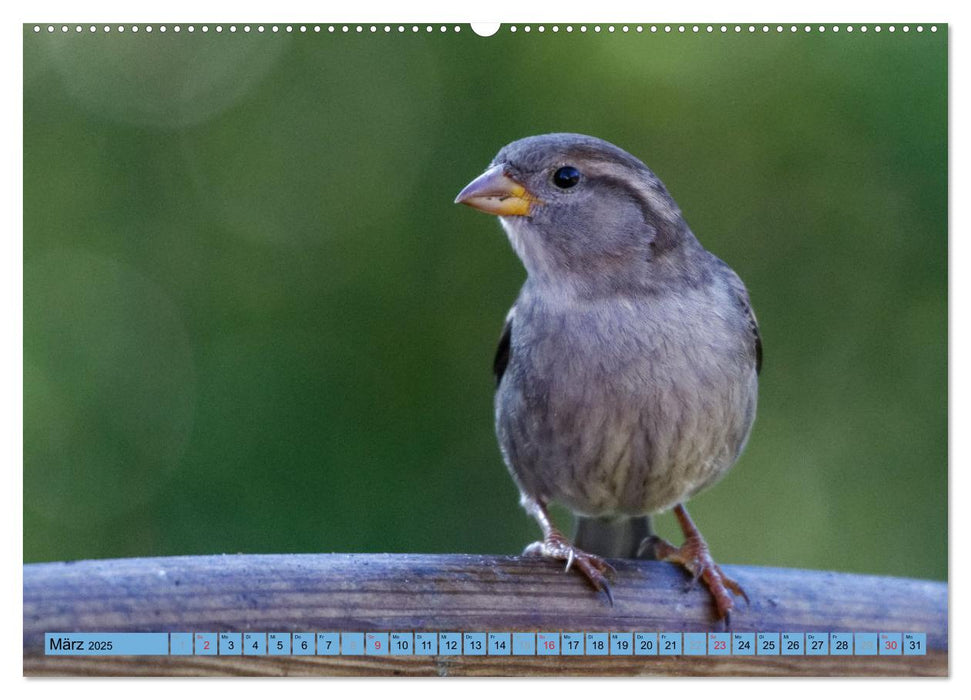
(627, 369)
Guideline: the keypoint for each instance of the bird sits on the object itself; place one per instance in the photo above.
(626, 374)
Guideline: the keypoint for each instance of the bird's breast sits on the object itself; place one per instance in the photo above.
(623, 407)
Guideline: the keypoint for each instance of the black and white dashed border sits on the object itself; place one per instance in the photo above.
(512, 28)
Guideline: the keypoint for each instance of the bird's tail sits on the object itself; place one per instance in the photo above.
(612, 537)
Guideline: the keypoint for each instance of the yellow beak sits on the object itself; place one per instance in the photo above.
(494, 192)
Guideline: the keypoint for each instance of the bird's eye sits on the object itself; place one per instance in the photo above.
(566, 177)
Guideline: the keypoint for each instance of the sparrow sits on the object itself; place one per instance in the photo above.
(627, 369)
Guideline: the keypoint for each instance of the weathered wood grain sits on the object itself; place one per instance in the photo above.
(411, 592)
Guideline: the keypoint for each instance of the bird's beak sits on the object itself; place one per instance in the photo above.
(494, 192)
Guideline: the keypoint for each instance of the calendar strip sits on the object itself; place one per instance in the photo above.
(564, 643)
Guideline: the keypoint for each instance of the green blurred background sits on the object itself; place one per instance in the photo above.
(255, 322)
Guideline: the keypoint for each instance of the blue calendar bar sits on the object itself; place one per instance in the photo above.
(817, 644)
(645, 643)
(180, 644)
(106, 644)
(743, 643)
(621, 643)
(377, 643)
(426, 644)
(329, 643)
(597, 644)
(450, 644)
(254, 643)
(278, 643)
(230, 644)
(571, 644)
(695, 644)
(304, 644)
(474, 643)
(719, 644)
(524, 643)
(915, 644)
(626, 643)
(402, 644)
(548, 643)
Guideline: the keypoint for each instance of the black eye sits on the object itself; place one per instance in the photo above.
(566, 177)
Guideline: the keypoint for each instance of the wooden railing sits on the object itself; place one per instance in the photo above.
(412, 592)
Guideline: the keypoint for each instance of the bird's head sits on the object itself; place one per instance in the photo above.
(578, 206)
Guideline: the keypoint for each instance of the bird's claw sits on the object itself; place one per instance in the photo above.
(594, 568)
(694, 556)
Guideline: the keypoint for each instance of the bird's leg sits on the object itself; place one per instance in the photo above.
(556, 546)
(694, 556)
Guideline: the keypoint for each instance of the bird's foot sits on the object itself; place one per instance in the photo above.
(594, 568)
(694, 556)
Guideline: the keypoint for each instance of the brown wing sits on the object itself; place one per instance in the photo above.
(501, 360)
(754, 325)
(741, 297)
